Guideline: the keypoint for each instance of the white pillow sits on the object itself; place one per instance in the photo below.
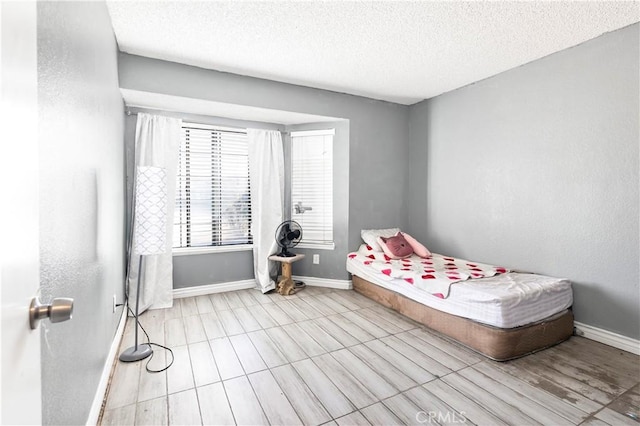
(370, 236)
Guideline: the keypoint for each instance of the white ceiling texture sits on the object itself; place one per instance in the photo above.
(398, 51)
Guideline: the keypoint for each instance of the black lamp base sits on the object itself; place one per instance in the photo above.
(131, 354)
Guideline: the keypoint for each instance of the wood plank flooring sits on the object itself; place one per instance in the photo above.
(325, 356)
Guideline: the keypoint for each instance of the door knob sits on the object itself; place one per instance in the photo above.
(60, 309)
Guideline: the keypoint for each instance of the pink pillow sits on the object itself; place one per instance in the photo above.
(395, 247)
(418, 248)
(370, 236)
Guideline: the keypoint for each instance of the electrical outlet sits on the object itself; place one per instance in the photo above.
(316, 259)
(114, 303)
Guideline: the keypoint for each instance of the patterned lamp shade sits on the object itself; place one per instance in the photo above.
(150, 211)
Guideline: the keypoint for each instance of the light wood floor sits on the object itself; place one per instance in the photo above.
(327, 356)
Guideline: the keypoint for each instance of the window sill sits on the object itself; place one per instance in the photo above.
(317, 246)
(208, 250)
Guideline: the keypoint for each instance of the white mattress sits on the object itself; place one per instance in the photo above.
(506, 300)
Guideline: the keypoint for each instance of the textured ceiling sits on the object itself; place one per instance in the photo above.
(397, 51)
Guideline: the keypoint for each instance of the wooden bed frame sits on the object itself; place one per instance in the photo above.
(500, 344)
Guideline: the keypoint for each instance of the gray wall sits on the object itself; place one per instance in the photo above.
(196, 269)
(378, 132)
(537, 169)
(331, 261)
(81, 200)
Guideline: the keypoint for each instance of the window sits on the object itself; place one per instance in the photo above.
(312, 186)
(213, 201)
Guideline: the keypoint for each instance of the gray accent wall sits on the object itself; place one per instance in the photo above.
(537, 169)
(81, 200)
(378, 134)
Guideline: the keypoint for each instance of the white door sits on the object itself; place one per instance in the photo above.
(19, 237)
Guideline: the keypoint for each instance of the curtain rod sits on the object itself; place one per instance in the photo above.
(191, 124)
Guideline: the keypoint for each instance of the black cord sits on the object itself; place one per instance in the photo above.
(149, 343)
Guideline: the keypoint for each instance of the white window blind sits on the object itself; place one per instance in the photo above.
(213, 204)
(312, 185)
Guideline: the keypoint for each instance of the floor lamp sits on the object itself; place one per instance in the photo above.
(149, 235)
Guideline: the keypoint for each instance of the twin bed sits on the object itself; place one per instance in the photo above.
(499, 313)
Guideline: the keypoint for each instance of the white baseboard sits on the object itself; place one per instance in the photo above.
(608, 338)
(325, 282)
(201, 290)
(94, 414)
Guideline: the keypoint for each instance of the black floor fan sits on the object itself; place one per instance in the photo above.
(288, 235)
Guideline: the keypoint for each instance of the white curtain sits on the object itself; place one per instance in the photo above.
(157, 143)
(266, 170)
